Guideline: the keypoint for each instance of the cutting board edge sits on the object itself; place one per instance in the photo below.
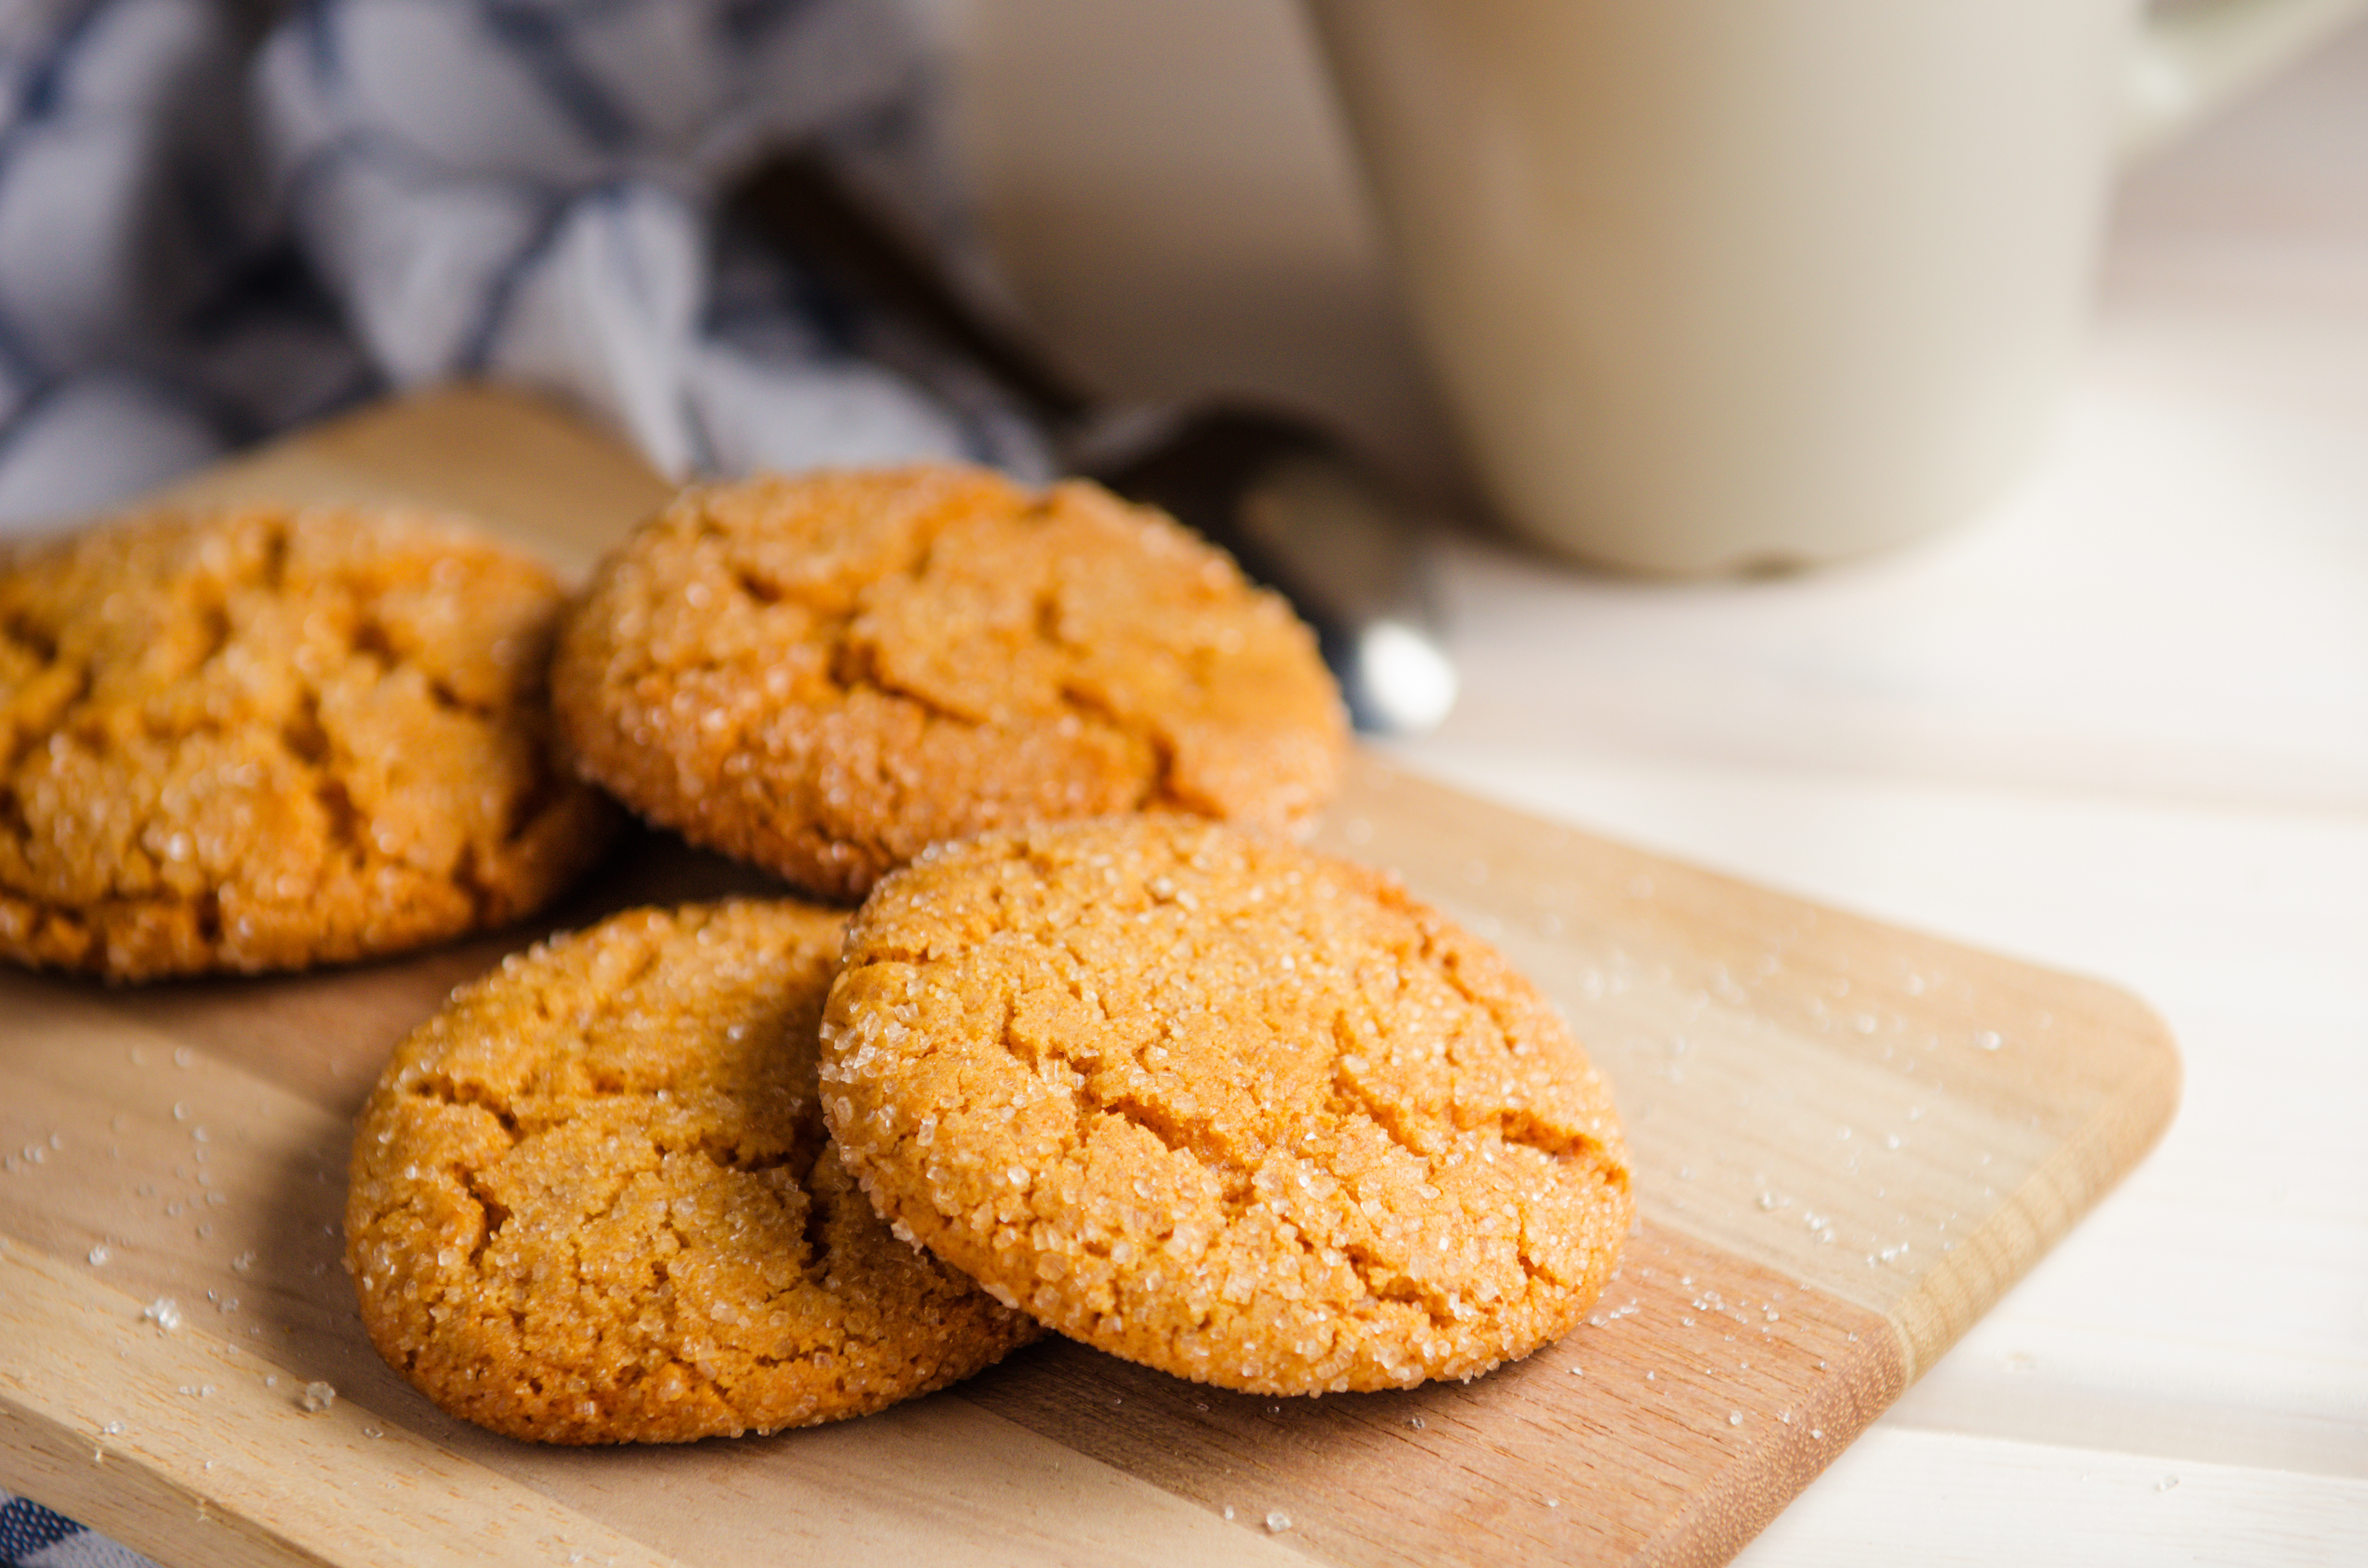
(1949, 1298)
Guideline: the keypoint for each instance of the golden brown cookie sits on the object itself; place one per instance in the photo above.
(592, 1201)
(273, 737)
(1222, 1107)
(824, 674)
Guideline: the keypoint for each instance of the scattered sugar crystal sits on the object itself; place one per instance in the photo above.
(1229, 1510)
(164, 1313)
(100, 1254)
(318, 1397)
(1277, 1522)
(1735, 1418)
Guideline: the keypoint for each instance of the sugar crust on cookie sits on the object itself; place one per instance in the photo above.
(825, 674)
(1221, 1105)
(592, 1201)
(271, 737)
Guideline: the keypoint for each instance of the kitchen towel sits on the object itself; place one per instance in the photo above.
(215, 226)
(33, 1537)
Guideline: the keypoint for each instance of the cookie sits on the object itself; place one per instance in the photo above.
(824, 674)
(1218, 1105)
(268, 738)
(592, 1201)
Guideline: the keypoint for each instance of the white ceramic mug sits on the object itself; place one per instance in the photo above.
(1721, 286)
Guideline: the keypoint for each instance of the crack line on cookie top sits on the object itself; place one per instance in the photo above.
(492, 1213)
(447, 1090)
(1399, 1287)
(19, 625)
(1356, 1099)
(814, 1229)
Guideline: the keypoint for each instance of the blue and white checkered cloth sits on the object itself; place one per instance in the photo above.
(32, 1536)
(209, 234)
(207, 237)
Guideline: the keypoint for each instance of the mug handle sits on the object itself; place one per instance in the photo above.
(2195, 57)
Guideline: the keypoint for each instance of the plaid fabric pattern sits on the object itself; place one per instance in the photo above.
(33, 1537)
(207, 237)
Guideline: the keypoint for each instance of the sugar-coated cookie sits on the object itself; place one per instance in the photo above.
(268, 738)
(1221, 1105)
(825, 674)
(592, 1201)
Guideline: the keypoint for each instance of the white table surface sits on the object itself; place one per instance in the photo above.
(2119, 726)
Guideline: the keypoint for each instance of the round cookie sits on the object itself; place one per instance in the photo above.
(824, 674)
(1223, 1107)
(592, 1199)
(268, 738)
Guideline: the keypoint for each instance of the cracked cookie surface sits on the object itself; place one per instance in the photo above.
(592, 1201)
(1222, 1107)
(270, 737)
(825, 674)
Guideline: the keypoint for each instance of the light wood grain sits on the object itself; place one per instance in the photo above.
(556, 485)
(100, 1426)
(1849, 1140)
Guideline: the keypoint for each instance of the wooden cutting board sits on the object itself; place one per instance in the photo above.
(1849, 1140)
